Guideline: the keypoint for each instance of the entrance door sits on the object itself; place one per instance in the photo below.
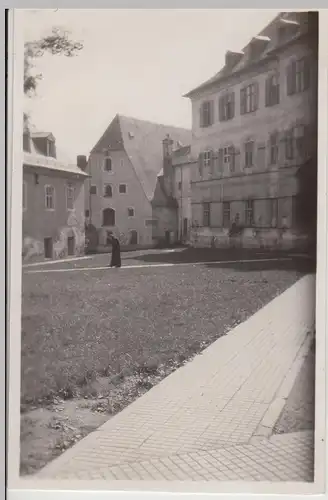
(185, 227)
(167, 237)
(71, 245)
(133, 237)
(48, 248)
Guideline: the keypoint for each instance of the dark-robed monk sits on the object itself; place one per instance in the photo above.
(116, 252)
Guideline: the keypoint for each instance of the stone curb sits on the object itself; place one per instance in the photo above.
(265, 428)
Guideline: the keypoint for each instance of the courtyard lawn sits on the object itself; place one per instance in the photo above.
(79, 325)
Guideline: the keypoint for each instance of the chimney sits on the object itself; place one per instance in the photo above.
(167, 163)
(232, 58)
(81, 161)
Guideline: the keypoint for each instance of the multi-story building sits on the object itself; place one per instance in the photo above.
(123, 168)
(254, 135)
(53, 200)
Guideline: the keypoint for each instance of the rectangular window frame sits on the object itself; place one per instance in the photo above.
(274, 149)
(49, 196)
(125, 186)
(134, 212)
(206, 112)
(249, 213)
(226, 214)
(206, 214)
(249, 154)
(70, 190)
(249, 98)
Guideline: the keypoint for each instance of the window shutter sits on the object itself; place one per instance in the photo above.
(220, 159)
(267, 91)
(211, 162)
(200, 163)
(211, 112)
(221, 109)
(232, 105)
(307, 73)
(291, 71)
(257, 94)
(201, 116)
(232, 156)
(242, 101)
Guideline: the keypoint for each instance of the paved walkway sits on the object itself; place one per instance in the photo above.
(212, 418)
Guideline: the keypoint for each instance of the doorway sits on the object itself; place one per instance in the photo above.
(185, 228)
(71, 245)
(133, 237)
(48, 248)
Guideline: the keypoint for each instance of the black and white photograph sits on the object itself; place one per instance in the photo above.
(168, 204)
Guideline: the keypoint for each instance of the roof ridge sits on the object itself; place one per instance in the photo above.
(150, 122)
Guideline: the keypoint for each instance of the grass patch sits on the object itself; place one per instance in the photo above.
(79, 326)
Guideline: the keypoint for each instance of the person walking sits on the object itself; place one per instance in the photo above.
(116, 252)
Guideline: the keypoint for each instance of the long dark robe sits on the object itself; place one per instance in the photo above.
(116, 254)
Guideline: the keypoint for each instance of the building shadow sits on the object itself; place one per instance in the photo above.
(215, 257)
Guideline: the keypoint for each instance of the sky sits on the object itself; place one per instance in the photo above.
(136, 63)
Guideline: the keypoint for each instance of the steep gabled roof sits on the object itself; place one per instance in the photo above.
(143, 143)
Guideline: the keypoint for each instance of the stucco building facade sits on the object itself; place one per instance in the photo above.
(53, 201)
(254, 138)
(123, 168)
(254, 127)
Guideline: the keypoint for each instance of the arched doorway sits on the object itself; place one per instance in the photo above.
(108, 217)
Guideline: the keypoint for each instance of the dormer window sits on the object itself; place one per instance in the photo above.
(287, 30)
(51, 148)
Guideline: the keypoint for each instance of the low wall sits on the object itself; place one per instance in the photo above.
(249, 238)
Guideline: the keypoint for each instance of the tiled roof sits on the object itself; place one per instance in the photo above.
(269, 43)
(143, 143)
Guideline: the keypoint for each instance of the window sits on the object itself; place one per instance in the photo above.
(179, 185)
(249, 98)
(274, 148)
(122, 188)
(206, 214)
(49, 197)
(131, 212)
(249, 154)
(300, 141)
(48, 248)
(227, 107)
(108, 217)
(274, 212)
(272, 90)
(207, 156)
(228, 157)
(298, 76)
(206, 114)
(108, 192)
(87, 213)
(151, 222)
(24, 195)
(93, 189)
(51, 149)
(286, 32)
(296, 143)
(249, 213)
(226, 214)
(36, 179)
(108, 164)
(70, 197)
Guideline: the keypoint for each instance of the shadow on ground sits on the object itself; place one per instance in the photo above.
(212, 257)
